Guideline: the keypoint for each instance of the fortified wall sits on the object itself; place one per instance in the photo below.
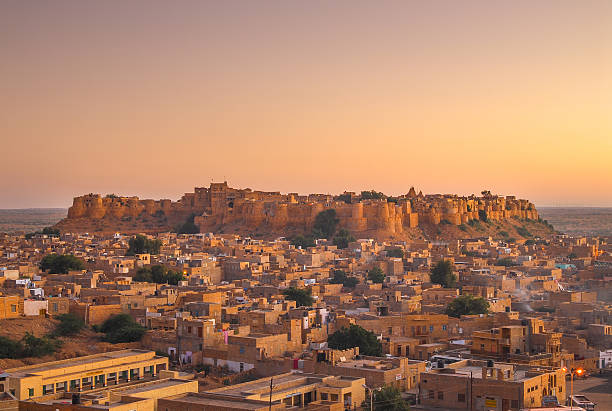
(220, 206)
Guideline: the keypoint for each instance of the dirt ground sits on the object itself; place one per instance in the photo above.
(85, 343)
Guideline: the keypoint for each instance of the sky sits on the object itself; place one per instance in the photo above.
(152, 98)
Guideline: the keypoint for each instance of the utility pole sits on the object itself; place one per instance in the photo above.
(270, 404)
(471, 395)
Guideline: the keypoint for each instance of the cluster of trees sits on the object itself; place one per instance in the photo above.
(188, 227)
(376, 275)
(143, 245)
(442, 273)
(28, 346)
(50, 231)
(506, 262)
(121, 328)
(325, 226)
(69, 324)
(372, 195)
(355, 336)
(61, 263)
(340, 277)
(158, 274)
(395, 252)
(467, 305)
(302, 297)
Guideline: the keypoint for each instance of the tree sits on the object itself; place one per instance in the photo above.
(442, 273)
(303, 241)
(303, 298)
(395, 253)
(340, 277)
(143, 245)
(388, 398)
(188, 227)
(372, 195)
(325, 223)
(506, 262)
(355, 336)
(467, 305)
(158, 274)
(343, 238)
(376, 275)
(61, 264)
(69, 324)
(122, 328)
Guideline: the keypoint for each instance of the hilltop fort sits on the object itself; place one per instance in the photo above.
(220, 208)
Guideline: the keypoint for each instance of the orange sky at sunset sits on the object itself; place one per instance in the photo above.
(152, 98)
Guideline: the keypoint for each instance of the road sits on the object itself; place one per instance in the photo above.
(597, 388)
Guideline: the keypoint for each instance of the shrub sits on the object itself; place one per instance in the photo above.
(395, 253)
(303, 241)
(38, 347)
(158, 274)
(122, 328)
(303, 298)
(343, 238)
(523, 232)
(10, 348)
(69, 324)
(467, 305)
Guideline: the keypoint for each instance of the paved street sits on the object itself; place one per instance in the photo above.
(597, 388)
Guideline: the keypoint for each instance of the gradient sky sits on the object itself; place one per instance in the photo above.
(152, 98)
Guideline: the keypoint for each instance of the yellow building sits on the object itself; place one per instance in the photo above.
(82, 373)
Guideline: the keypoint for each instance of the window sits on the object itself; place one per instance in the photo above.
(13, 308)
(242, 349)
(55, 307)
(188, 330)
(431, 328)
(324, 396)
(443, 327)
(30, 392)
(440, 395)
(333, 397)
(432, 395)
(460, 397)
(514, 404)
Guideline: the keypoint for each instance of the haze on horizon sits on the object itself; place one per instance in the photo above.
(152, 98)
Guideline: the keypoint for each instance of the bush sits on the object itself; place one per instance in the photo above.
(467, 305)
(39, 347)
(442, 273)
(122, 328)
(143, 245)
(69, 324)
(372, 195)
(388, 398)
(523, 232)
(61, 264)
(395, 253)
(376, 275)
(303, 298)
(10, 348)
(462, 227)
(355, 336)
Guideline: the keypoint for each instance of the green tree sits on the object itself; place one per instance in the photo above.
(303, 298)
(506, 262)
(143, 245)
(442, 273)
(158, 274)
(325, 223)
(388, 398)
(50, 231)
(122, 328)
(395, 252)
(303, 241)
(343, 238)
(61, 264)
(340, 277)
(355, 336)
(467, 305)
(376, 275)
(188, 226)
(372, 195)
(69, 324)
(523, 232)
